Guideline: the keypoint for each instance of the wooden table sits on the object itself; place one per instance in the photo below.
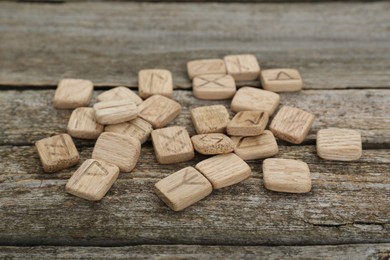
(343, 53)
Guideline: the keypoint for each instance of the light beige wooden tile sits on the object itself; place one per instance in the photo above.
(115, 112)
(248, 98)
(72, 93)
(121, 150)
(214, 86)
(210, 119)
(119, 93)
(286, 175)
(57, 152)
(224, 170)
(172, 145)
(339, 144)
(137, 128)
(242, 67)
(212, 143)
(159, 110)
(155, 81)
(183, 188)
(248, 123)
(83, 124)
(291, 124)
(203, 67)
(92, 180)
(281, 80)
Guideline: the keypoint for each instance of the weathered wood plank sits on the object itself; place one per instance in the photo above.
(334, 45)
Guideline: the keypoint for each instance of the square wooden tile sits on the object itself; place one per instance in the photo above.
(210, 119)
(183, 188)
(137, 128)
(281, 80)
(291, 124)
(214, 86)
(72, 93)
(203, 67)
(224, 170)
(92, 180)
(121, 150)
(115, 112)
(57, 152)
(212, 143)
(83, 124)
(242, 67)
(119, 93)
(248, 123)
(286, 175)
(159, 110)
(255, 147)
(172, 145)
(155, 81)
(339, 144)
(248, 98)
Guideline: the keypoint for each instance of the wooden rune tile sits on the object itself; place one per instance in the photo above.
(242, 67)
(291, 124)
(137, 128)
(339, 144)
(214, 86)
(83, 124)
(72, 93)
(155, 81)
(248, 98)
(210, 119)
(281, 80)
(119, 93)
(203, 67)
(224, 170)
(172, 145)
(212, 143)
(248, 123)
(115, 112)
(286, 175)
(57, 152)
(92, 180)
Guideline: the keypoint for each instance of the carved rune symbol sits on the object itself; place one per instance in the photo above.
(250, 121)
(57, 148)
(155, 80)
(186, 180)
(212, 140)
(282, 76)
(203, 67)
(172, 142)
(237, 63)
(242, 144)
(212, 83)
(96, 169)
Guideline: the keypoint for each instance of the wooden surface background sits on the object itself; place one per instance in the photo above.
(343, 53)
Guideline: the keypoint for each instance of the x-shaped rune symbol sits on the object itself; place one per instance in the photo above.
(186, 180)
(215, 81)
(172, 140)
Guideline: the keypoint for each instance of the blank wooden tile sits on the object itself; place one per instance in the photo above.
(214, 86)
(212, 143)
(119, 93)
(57, 152)
(83, 124)
(339, 144)
(224, 170)
(242, 67)
(203, 67)
(248, 123)
(92, 180)
(248, 98)
(286, 175)
(281, 80)
(159, 110)
(255, 147)
(155, 81)
(72, 93)
(115, 112)
(210, 119)
(291, 124)
(183, 188)
(172, 145)
(121, 150)
(137, 128)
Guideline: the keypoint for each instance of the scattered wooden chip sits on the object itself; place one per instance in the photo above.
(242, 67)
(119, 93)
(248, 123)
(210, 119)
(137, 128)
(115, 112)
(203, 67)
(212, 143)
(281, 80)
(214, 86)
(155, 81)
(248, 98)
(83, 124)
(72, 93)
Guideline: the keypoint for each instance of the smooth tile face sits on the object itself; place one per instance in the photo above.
(115, 112)
(210, 119)
(83, 124)
(291, 124)
(224, 170)
(242, 67)
(339, 144)
(159, 110)
(203, 67)
(183, 188)
(212, 144)
(120, 150)
(119, 93)
(248, 123)
(285, 175)
(281, 80)
(156, 81)
(137, 128)
(92, 180)
(214, 86)
(72, 93)
(172, 145)
(248, 98)
(57, 152)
